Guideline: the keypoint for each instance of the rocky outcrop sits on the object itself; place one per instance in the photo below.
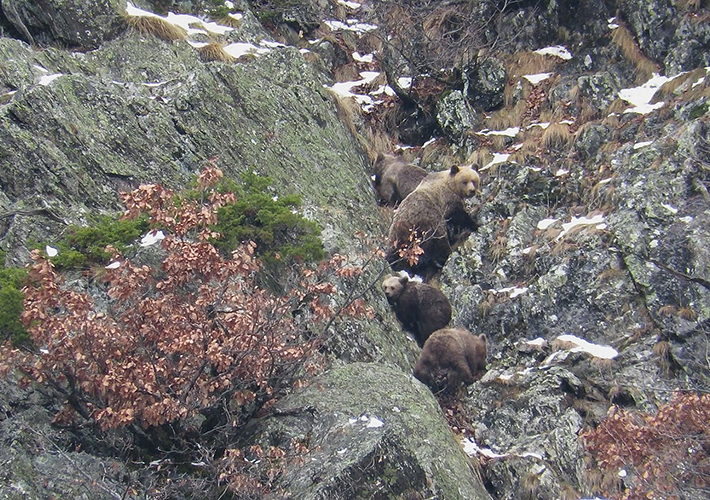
(367, 439)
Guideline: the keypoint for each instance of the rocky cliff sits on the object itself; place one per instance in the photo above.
(589, 274)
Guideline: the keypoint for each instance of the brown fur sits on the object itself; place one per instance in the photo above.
(395, 178)
(453, 353)
(435, 214)
(421, 308)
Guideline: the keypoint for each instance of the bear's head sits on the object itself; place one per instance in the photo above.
(464, 181)
(393, 286)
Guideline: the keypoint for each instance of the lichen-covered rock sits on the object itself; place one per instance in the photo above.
(483, 84)
(366, 440)
(79, 24)
(457, 119)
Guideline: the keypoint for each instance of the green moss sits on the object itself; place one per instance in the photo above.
(280, 232)
(11, 302)
(698, 111)
(83, 246)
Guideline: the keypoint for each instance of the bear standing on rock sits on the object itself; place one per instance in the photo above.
(429, 215)
(453, 353)
(421, 308)
(395, 178)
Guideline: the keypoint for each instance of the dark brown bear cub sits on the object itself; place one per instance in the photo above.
(453, 355)
(395, 178)
(421, 308)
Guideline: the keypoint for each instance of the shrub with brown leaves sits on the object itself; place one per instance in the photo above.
(661, 456)
(196, 335)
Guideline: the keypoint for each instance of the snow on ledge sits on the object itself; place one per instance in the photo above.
(596, 350)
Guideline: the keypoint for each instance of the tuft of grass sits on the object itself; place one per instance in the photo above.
(624, 39)
(557, 135)
(158, 27)
(214, 52)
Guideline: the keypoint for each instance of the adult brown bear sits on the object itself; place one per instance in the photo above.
(429, 217)
(395, 178)
(454, 355)
(421, 308)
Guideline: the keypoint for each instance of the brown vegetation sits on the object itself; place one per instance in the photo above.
(158, 27)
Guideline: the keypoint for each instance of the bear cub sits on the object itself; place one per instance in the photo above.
(422, 309)
(451, 356)
(395, 178)
(434, 214)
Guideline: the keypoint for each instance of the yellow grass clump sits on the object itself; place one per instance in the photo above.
(556, 135)
(158, 27)
(214, 52)
(624, 39)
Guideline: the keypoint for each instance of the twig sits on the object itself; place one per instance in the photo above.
(79, 469)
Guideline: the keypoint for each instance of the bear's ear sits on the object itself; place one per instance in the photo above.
(482, 337)
(403, 280)
(454, 170)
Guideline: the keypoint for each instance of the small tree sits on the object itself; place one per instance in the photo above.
(180, 343)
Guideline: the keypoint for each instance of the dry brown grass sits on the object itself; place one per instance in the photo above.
(507, 116)
(229, 21)
(624, 39)
(530, 63)
(557, 135)
(480, 157)
(678, 85)
(158, 27)
(689, 5)
(214, 52)
(617, 106)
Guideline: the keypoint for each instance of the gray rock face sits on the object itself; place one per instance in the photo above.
(653, 23)
(81, 24)
(484, 84)
(368, 439)
(457, 119)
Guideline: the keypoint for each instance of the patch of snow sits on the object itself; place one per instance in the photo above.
(374, 423)
(557, 51)
(152, 238)
(51, 251)
(640, 97)
(114, 265)
(343, 89)
(537, 78)
(611, 23)
(542, 125)
(367, 58)
(597, 220)
(509, 132)
(430, 141)
(187, 22)
(513, 290)
(497, 158)
(472, 449)
(545, 223)
(670, 208)
(350, 5)
(561, 172)
(538, 342)
(598, 351)
(640, 145)
(350, 25)
(238, 49)
(405, 82)
(47, 79)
